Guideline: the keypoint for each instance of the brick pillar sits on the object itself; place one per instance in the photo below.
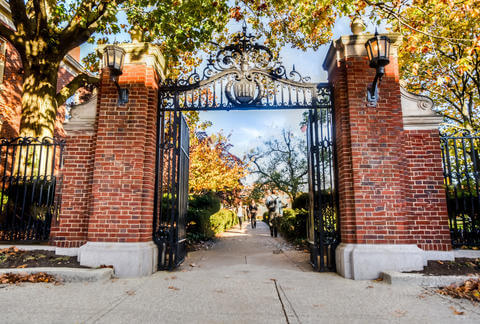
(71, 230)
(121, 206)
(379, 191)
(425, 193)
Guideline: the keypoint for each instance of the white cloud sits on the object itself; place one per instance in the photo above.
(252, 132)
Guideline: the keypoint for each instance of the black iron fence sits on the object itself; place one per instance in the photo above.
(29, 187)
(461, 170)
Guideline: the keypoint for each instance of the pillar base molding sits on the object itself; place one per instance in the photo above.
(367, 261)
(128, 259)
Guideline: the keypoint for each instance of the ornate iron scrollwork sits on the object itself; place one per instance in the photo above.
(243, 75)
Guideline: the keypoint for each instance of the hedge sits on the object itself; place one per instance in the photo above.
(293, 224)
(205, 219)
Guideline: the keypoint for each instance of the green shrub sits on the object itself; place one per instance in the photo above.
(200, 208)
(198, 222)
(222, 221)
(208, 201)
(293, 224)
(302, 201)
(205, 219)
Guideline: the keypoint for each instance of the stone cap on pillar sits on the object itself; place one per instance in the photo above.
(82, 116)
(417, 111)
(354, 46)
(141, 53)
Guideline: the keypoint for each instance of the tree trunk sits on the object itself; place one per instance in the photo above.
(39, 105)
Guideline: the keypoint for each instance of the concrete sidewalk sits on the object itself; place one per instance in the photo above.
(239, 280)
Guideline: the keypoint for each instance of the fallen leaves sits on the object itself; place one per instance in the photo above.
(130, 292)
(470, 290)
(456, 312)
(102, 266)
(13, 278)
(399, 313)
(14, 257)
(8, 252)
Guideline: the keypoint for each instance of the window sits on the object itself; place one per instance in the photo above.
(3, 48)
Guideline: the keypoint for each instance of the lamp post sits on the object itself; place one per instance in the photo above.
(378, 51)
(113, 58)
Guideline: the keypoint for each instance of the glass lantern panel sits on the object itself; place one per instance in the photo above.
(118, 58)
(381, 47)
(369, 51)
(376, 47)
(110, 56)
(387, 47)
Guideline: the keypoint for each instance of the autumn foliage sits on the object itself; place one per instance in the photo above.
(213, 167)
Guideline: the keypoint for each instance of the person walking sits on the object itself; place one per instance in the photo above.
(240, 213)
(252, 208)
(274, 206)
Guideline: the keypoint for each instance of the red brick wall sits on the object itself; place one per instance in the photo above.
(381, 201)
(426, 204)
(10, 94)
(123, 178)
(71, 230)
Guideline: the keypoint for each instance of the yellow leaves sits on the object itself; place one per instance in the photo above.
(213, 167)
(414, 68)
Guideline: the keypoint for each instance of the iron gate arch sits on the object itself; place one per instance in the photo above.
(243, 75)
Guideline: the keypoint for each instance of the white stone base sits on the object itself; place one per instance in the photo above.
(367, 261)
(128, 259)
(466, 253)
(66, 251)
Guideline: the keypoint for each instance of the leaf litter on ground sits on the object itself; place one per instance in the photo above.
(470, 289)
(14, 278)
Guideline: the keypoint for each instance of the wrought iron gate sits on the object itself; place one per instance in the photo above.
(171, 189)
(323, 222)
(461, 171)
(241, 76)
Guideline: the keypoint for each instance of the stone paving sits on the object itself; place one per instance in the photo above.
(246, 277)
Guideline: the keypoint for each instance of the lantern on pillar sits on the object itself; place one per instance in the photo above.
(113, 58)
(378, 51)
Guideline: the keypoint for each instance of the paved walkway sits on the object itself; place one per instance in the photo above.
(239, 280)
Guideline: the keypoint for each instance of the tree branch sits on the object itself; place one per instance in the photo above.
(69, 90)
(84, 23)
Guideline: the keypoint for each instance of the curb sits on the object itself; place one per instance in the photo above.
(400, 278)
(68, 274)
